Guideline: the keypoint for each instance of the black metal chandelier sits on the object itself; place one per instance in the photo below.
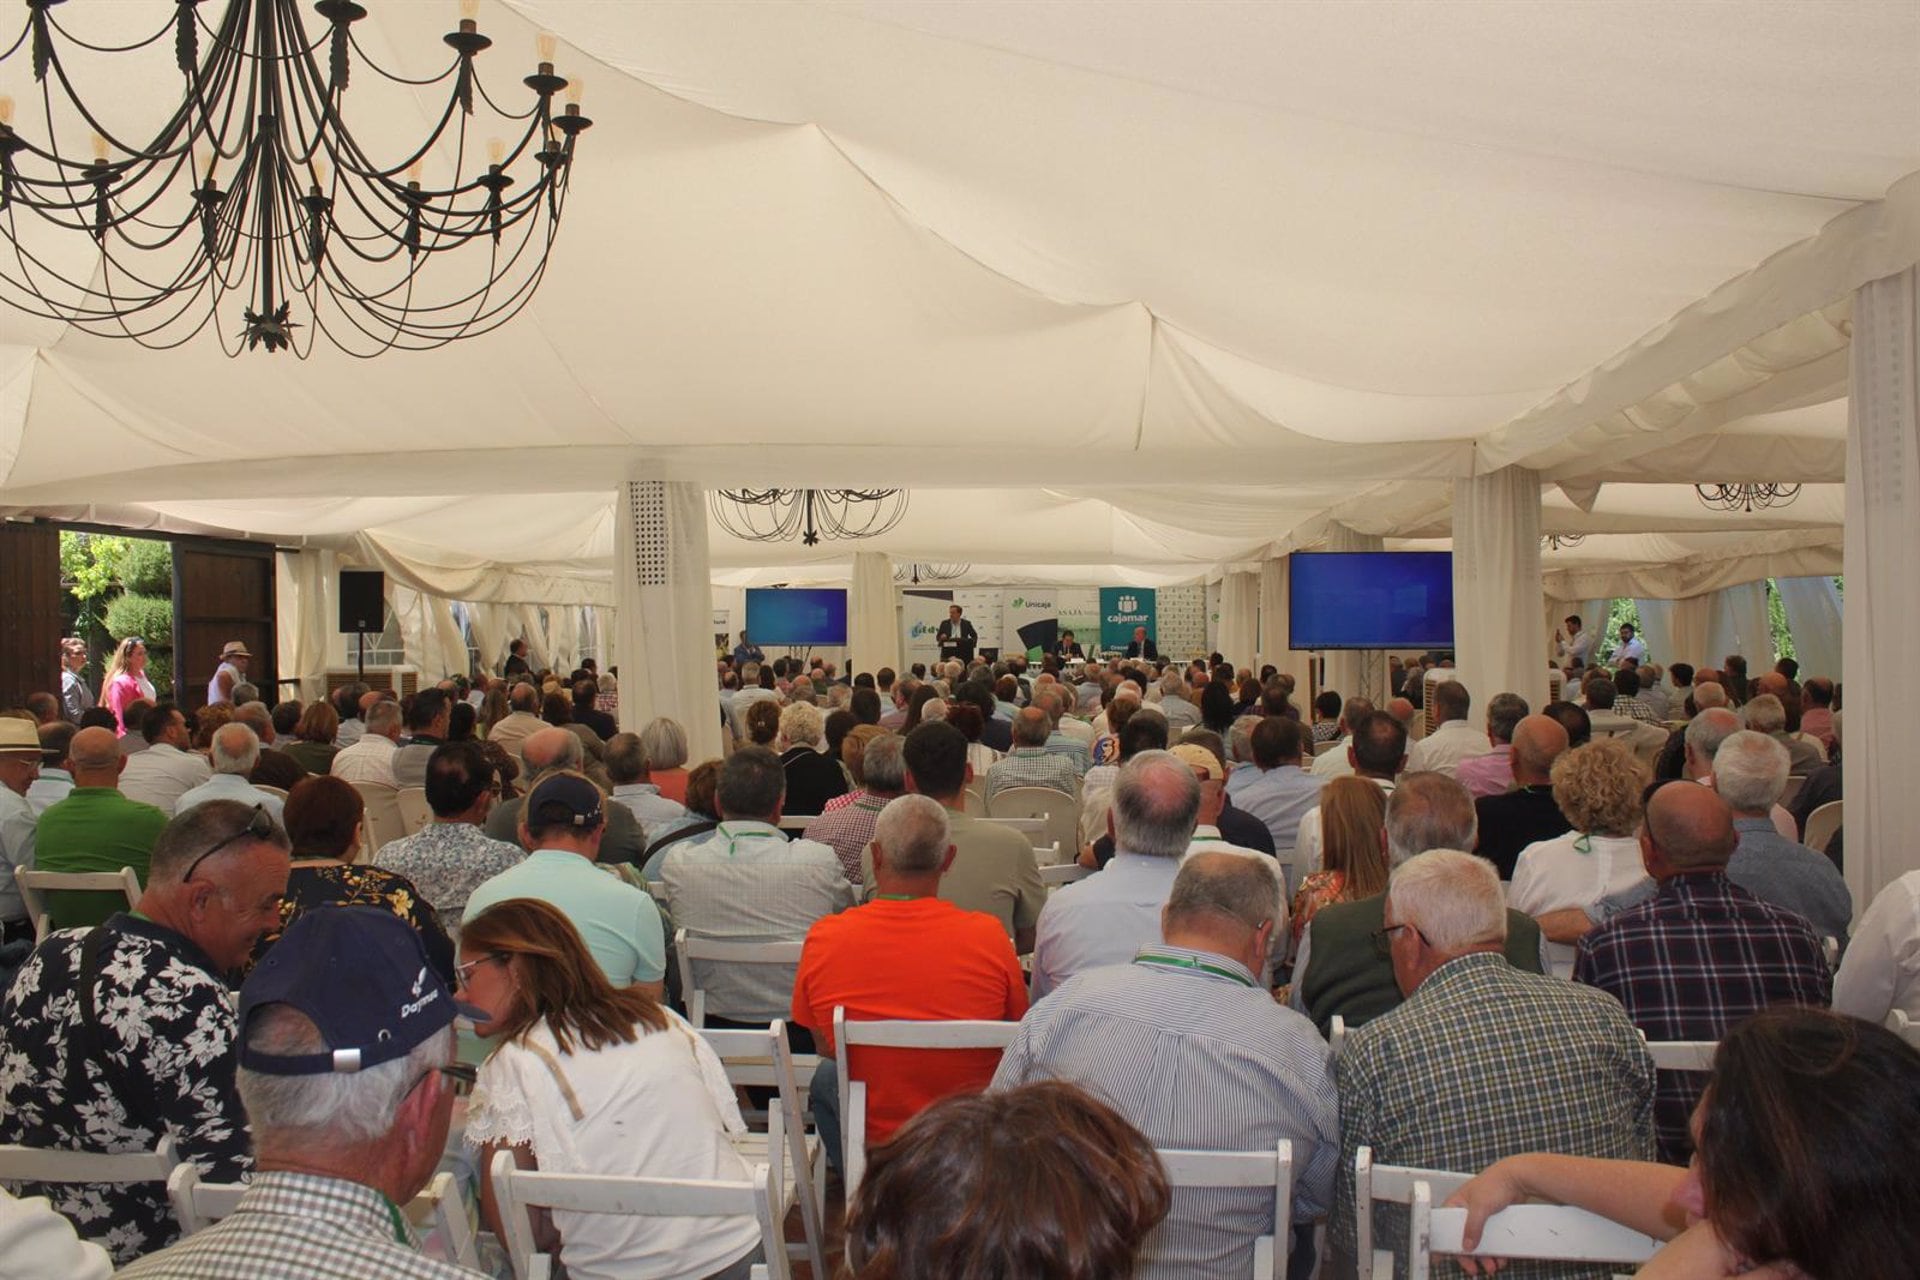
(253, 184)
(915, 574)
(1745, 497)
(778, 515)
(1555, 541)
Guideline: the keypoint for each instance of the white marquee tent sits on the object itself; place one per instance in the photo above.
(1150, 292)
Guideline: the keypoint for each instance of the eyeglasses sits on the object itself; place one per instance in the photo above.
(464, 972)
(259, 827)
(1383, 939)
(460, 1077)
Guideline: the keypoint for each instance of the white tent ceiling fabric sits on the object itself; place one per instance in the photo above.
(1163, 288)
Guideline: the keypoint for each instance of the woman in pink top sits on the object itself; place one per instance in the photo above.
(126, 680)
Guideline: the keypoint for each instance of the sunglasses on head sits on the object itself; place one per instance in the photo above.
(259, 827)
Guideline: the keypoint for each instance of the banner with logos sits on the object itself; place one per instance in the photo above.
(921, 613)
(1035, 617)
(1121, 610)
(982, 607)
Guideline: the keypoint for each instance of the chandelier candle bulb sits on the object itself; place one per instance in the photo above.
(469, 10)
(576, 88)
(100, 148)
(546, 44)
(6, 109)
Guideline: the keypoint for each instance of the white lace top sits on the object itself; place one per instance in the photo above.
(659, 1107)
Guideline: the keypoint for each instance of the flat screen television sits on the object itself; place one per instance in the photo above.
(1371, 600)
(797, 615)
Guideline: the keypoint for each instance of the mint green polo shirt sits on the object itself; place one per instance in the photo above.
(94, 829)
(619, 923)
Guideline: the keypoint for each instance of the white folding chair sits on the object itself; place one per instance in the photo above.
(1053, 875)
(1552, 1232)
(52, 1164)
(687, 949)
(1904, 1027)
(439, 1213)
(1389, 1184)
(1821, 824)
(1233, 1169)
(1060, 811)
(759, 1058)
(415, 812)
(1034, 829)
(518, 1190)
(894, 1034)
(973, 802)
(34, 884)
(1791, 792)
(1337, 1035)
(277, 792)
(1682, 1055)
(795, 823)
(382, 817)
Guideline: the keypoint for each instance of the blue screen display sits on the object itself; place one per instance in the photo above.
(1371, 600)
(797, 615)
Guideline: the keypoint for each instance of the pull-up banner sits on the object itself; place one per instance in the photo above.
(1121, 610)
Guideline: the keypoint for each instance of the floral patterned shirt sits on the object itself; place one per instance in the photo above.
(447, 861)
(334, 884)
(162, 1063)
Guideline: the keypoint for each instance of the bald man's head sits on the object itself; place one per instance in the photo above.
(95, 757)
(1537, 742)
(1709, 697)
(550, 749)
(1688, 828)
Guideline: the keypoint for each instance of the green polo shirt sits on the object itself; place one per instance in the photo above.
(94, 829)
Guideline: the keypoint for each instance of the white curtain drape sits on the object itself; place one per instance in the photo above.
(304, 627)
(1496, 585)
(1883, 584)
(663, 595)
(873, 629)
(410, 615)
(491, 624)
(1737, 623)
(1276, 620)
(1656, 629)
(1354, 671)
(563, 637)
(1239, 638)
(1813, 615)
(1676, 630)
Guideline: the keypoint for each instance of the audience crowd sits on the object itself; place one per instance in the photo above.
(1445, 937)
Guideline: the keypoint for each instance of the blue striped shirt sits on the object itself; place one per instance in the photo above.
(1200, 1061)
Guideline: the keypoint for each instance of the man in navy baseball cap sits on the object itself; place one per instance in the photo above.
(347, 1072)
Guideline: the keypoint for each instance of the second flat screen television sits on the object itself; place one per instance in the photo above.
(797, 616)
(1371, 600)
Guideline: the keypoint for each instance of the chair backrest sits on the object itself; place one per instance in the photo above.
(35, 884)
(1271, 1169)
(438, 1213)
(688, 949)
(1393, 1184)
(1904, 1027)
(1060, 811)
(1337, 1035)
(973, 801)
(1683, 1055)
(280, 792)
(759, 1057)
(383, 815)
(1821, 824)
(517, 1190)
(795, 823)
(1791, 792)
(45, 1164)
(1053, 875)
(1553, 1232)
(895, 1034)
(415, 812)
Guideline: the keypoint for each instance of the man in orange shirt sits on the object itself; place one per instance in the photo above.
(907, 954)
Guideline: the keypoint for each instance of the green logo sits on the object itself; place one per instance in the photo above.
(1018, 602)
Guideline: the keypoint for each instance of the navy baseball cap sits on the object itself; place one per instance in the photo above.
(570, 793)
(362, 975)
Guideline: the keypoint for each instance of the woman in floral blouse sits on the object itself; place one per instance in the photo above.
(324, 825)
(1353, 813)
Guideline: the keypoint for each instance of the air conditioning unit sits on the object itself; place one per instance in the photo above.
(404, 681)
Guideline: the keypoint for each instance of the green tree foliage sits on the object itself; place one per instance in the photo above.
(148, 568)
(1777, 623)
(120, 587)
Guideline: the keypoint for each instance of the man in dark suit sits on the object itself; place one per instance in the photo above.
(1141, 647)
(1067, 647)
(956, 636)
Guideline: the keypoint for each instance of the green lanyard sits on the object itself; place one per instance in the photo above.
(1187, 962)
(400, 1233)
(732, 838)
(894, 897)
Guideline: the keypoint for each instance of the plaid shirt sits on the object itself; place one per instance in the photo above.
(1692, 962)
(1033, 767)
(300, 1226)
(848, 830)
(1637, 709)
(1484, 1062)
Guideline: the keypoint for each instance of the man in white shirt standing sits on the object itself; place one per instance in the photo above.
(166, 770)
(371, 758)
(1576, 643)
(1454, 739)
(1630, 646)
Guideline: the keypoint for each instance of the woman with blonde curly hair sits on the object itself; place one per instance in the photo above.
(1598, 787)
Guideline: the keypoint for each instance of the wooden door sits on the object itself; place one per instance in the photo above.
(29, 611)
(222, 591)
